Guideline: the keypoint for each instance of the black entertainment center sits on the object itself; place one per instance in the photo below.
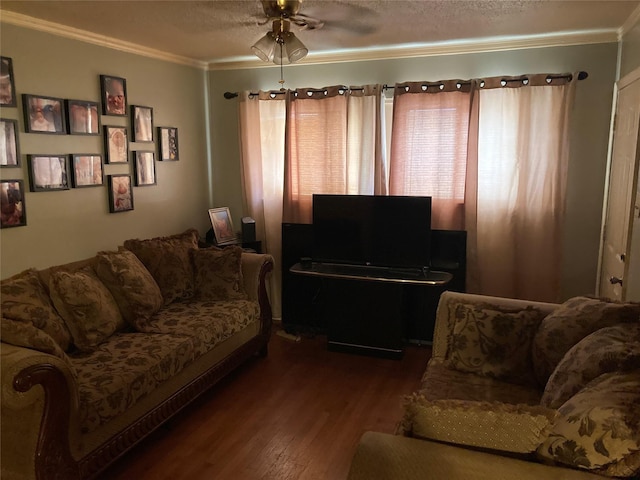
(368, 272)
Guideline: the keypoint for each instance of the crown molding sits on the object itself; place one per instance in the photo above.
(26, 21)
(456, 47)
(632, 21)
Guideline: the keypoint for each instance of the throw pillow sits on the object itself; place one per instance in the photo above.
(599, 427)
(571, 322)
(87, 306)
(218, 273)
(493, 342)
(493, 425)
(134, 289)
(606, 350)
(26, 300)
(167, 259)
(24, 334)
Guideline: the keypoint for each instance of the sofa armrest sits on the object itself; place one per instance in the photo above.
(445, 319)
(389, 457)
(255, 267)
(39, 397)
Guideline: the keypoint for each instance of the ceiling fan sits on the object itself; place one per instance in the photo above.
(289, 10)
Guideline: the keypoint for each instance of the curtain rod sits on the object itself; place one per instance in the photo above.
(581, 76)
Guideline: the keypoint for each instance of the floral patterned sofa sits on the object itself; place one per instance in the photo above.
(518, 389)
(98, 353)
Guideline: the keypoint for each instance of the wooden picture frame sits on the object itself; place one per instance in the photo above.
(114, 95)
(10, 151)
(222, 226)
(48, 172)
(168, 144)
(142, 123)
(82, 117)
(120, 193)
(13, 212)
(144, 166)
(7, 83)
(86, 170)
(116, 144)
(44, 114)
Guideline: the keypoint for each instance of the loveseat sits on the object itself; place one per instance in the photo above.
(98, 353)
(518, 389)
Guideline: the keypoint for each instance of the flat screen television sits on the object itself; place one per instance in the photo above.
(375, 230)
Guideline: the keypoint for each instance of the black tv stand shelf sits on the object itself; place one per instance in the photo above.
(364, 304)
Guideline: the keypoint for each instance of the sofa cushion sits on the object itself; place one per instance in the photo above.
(168, 261)
(25, 299)
(218, 273)
(490, 425)
(493, 342)
(209, 322)
(134, 289)
(599, 427)
(571, 322)
(124, 369)
(87, 307)
(606, 350)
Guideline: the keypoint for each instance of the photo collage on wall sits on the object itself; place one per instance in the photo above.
(50, 172)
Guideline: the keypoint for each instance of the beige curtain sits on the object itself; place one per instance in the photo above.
(429, 146)
(516, 206)
(262, 164)
(333, 145)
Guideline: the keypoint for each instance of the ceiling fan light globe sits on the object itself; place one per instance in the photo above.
(294, 49)
(265, 47)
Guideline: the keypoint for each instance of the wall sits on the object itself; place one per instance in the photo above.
(68, 225)
(589, 137)
(630, 47)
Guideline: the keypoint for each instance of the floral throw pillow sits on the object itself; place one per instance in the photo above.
(599, 427)
(168, 261)
(87, 306)
(493, 342)
(132, 286)
(571, 322)
(24, 299)
(218, 274)
(610, 349)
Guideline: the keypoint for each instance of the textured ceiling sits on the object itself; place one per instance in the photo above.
(222, 30)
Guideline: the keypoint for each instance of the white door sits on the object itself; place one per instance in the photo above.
(616, 250)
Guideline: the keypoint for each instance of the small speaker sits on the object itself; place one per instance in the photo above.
(248, 229)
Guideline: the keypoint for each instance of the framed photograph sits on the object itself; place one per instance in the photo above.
(43, 114)
(116, 144)
(48, 172)
(120, 193)
(12, 209)
(222, 226)
(114, 95)
(86, 170)
(142, 123)
(9, 151)
(145, 169)
(82, 117)
(168, 143)
(7, 83)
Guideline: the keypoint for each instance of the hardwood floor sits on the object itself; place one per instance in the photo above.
(294, 415)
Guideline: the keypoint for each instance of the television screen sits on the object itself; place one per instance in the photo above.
(376, 230)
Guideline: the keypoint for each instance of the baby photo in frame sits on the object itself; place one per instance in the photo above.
(86, 170)
(43, 114)
(116, 144)
(142, 123)
(13, 212)
(114, 95)
(82, 117)
(222, 226)
(120, 193)
(145, 168)
(9, 151)
(7, 83)
(48, 172)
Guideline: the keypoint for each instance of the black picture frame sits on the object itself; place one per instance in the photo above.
(10, 154)
(116, 144)
(7, 83)
(120, 193)
(142, 123)
(87, 170)
(44, 114)
(13, 212)
(168, 144)
(144, 166)
(83, 117)
(48, 172)
(113, 91)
